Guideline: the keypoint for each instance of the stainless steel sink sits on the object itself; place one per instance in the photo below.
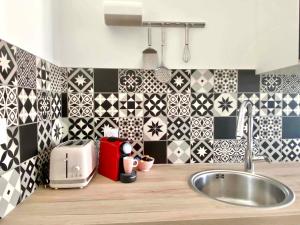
(242, 188)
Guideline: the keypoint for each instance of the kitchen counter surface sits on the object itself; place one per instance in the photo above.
(161, 196)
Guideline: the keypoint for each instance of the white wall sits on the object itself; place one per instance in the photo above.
(228, 41)
(277, 34)
(29, 25)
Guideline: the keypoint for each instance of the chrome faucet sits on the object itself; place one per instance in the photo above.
(246, 109)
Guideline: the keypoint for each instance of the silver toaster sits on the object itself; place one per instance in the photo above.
(72, 164)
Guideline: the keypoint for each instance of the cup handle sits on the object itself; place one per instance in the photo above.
(135, 163)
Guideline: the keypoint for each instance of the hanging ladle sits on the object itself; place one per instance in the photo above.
(186, 51)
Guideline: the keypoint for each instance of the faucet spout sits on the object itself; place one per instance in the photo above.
(246, 110)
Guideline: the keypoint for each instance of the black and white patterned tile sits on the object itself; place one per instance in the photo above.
(137, 148)
(254, 98)
(225, 104)
(106, 104)
(291, 104)
(178, 128)
(225, 81)
(81, 105)
(56, 106)
(80, 80)
(291, 83)
(178, 152)
(202, 151)
(229, 151)
(29, 174)
(57, 131)
(44, 135)
(130, 80)
(81, 128)
(26, 69)
(10, 151)
(55, 79)
(63, 79)
(27, 105)
(151, 84)
(178, 104)
(270, 83)
(8, 64)
(202, 81)
(131, 128)
(43, 105)
(131, 104)
(271, 148)
(155, 105)
(290, 150)
(202, 104)
(10, 191)
(202, 128)
(9, 104)
(256, 126)
(270, 104)
(155, 128)
(104, 123)
(180, 81)
(270, 127)
(43, 74)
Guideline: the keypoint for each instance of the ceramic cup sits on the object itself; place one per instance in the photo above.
(129, 163)
(145, 165)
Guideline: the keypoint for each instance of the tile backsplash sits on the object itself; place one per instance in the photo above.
(191, 119)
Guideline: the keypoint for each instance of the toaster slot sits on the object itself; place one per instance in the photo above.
(66, 160)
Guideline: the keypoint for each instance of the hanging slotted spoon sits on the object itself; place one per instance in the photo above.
(162, 73)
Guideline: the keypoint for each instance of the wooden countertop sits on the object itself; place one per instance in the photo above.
(161, 196)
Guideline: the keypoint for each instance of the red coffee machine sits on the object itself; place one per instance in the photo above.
(112, 151)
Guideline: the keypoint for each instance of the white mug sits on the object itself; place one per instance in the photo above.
(129, 163)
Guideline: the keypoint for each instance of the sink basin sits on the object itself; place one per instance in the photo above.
(241, 188)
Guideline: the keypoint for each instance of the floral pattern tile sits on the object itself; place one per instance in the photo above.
(225, 104)
(155, 128)
(8, 64)
(178, 104)
(178, 152)
(130, 80)
(202, 128)
(271, 83)
(225, 81)
(202, 81)
(180, 81)
(202, 104)
(80, 80)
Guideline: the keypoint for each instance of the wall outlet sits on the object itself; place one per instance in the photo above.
(3, 132)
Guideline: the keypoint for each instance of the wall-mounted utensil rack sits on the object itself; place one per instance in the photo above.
(173, 24)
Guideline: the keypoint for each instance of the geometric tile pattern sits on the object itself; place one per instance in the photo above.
(9, 152)
(270, 127)
(9, 104)
(29, 172)
(253, 98)
(27, 105)
(291, 150)
(155, 105)
(81, 128)
(225, 81)
(178, 128)
(271, 83)
(130, 80)
(10, 191)
(202, 104)
(44, 135)
(103, 123)
(131, 104)
(151, 84)
(80, 80)
(291, 84)
(202, 151)
(56, 106)
(270, 104)
(106, 105)
(81, 105)
(56, 79)
(178, 152)
(57, 132)
(225, 104)
(291, 104)
(202, 128)
(137, 148)
(155, 128)
(271, 149)
(43, 74)
(26, 69)
(8, 64)
(229, 151)
(180, 81)
(131, 128)
(44, 105)
(202, 81)
(178, 104)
